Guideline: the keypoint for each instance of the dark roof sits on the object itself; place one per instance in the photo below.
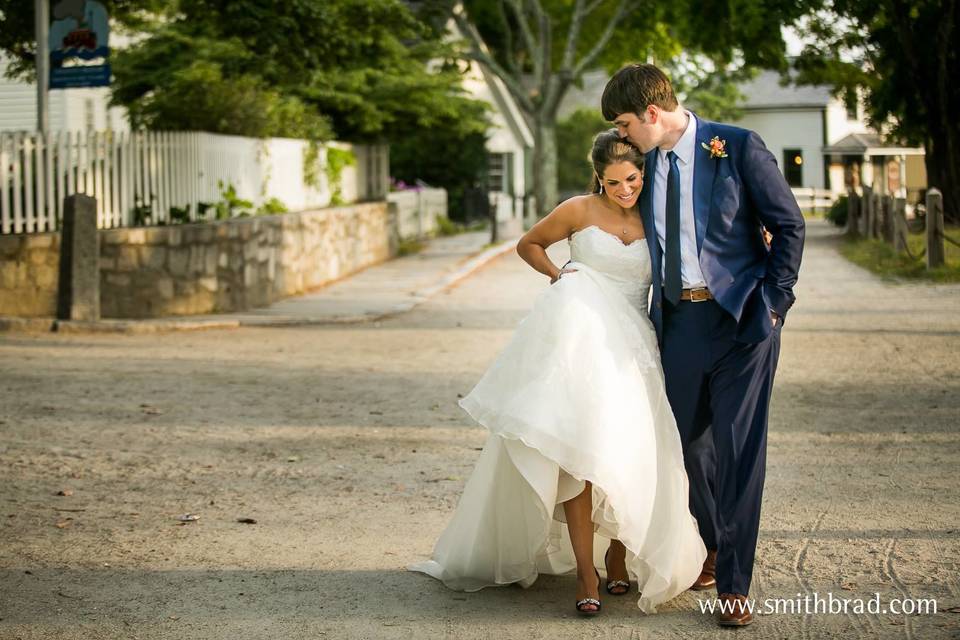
(856, 142)
(868, 143)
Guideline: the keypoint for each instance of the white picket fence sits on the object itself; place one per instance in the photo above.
(811, 199)
(161, 170)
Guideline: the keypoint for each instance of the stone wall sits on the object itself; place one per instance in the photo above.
(29, 267)
(216, 267)
(418, 210)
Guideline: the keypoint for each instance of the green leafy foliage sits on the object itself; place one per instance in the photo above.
(441, 158)
(574, 140)
(271, 207)
(18, 39)
(337, 161)
(901, 58)
(355, 70)
(230, 204)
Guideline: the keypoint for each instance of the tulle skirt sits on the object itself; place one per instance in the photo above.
(576, 395)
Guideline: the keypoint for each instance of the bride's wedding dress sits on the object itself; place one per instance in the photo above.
(576, 395)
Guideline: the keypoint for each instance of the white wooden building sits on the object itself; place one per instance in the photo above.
(509, 147)
(823, 147)
(70, 109)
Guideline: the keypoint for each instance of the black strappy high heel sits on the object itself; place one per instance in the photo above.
(595, 602)
(615, 584)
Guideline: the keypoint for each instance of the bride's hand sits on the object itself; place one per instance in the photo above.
(560, 273)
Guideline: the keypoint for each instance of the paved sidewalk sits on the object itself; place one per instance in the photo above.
(377, 292)
(386, 289)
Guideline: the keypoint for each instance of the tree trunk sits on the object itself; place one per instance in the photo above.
(943, 168)
(544, 164)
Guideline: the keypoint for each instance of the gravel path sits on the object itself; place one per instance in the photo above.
(346, 445)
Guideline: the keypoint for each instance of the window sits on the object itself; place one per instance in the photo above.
(500, 172)
(850, 100)
(793, 167)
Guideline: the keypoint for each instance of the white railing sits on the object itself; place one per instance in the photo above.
(811, 199)
(156, 171)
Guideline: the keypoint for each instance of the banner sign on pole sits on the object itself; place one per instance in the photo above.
(79, 45)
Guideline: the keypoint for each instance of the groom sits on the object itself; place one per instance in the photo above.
(720, 296)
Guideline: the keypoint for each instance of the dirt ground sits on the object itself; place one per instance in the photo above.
(346, 445)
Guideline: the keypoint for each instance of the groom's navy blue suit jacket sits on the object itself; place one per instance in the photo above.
(733, 197)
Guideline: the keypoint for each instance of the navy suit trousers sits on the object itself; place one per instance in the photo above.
(719, 390)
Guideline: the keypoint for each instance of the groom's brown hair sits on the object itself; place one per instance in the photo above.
(634, 87)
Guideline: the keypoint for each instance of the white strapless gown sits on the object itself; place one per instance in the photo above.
(577, 394)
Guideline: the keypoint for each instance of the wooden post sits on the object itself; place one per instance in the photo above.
(853, 213)
(889, 227)
(41, 14)
(899, 220)
(78, 290)
(876, 207)
(865, 201)
(935, 254)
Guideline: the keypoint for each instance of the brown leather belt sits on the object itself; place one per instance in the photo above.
(701, 294)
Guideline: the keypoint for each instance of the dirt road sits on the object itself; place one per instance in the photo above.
(346, 445)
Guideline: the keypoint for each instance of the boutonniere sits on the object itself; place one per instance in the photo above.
(717, 147)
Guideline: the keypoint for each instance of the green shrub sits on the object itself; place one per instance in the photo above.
(272, 207)
(837, 214)
(409, 247)
(447, 227)
(231, 204)
(574, 140)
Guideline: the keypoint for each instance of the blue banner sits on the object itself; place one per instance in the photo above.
(79, 45)
(73, 77)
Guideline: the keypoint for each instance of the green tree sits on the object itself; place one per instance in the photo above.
(357, 70)
(453, 162)
(902, 56)
(175, 80)
(363, 66)
(574, 139)
(362, 70)
(17, 30)
(540, 48)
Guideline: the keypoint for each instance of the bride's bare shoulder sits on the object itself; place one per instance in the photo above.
(576, 208)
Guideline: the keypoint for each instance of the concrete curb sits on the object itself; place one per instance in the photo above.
(465, 270)
(130, 327)
(417, 298)
(230, 321)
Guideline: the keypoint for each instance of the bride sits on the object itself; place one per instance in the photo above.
(580, 429)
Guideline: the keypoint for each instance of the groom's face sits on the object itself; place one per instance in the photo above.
(641, 130)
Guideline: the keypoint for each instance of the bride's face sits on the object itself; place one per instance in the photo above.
(622, 182)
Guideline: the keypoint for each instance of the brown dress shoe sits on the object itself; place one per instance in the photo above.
(732, 610)
(708, 576)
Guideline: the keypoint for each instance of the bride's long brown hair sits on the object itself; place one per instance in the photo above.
(609, 148)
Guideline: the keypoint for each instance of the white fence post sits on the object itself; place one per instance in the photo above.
(6, 224)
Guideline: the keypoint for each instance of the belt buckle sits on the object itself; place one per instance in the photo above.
(693, 293)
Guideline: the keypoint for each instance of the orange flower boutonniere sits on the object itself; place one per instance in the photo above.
(717, 147)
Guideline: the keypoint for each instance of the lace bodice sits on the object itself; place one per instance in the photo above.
(627, 266)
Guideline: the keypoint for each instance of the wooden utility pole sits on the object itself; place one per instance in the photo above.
(42, 14)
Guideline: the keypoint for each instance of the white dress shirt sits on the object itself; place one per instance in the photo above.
(690, 273)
